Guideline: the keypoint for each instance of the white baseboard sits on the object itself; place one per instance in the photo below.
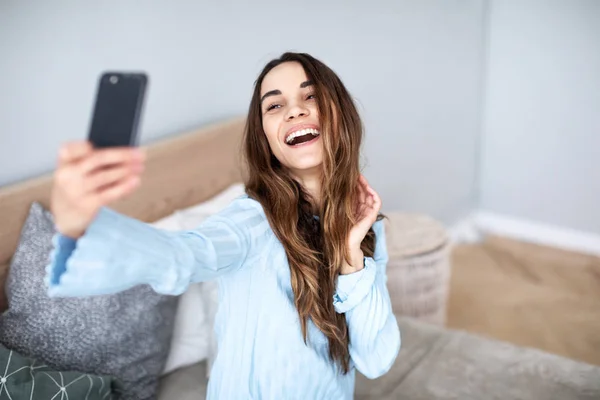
(465, 231)
(480, 223)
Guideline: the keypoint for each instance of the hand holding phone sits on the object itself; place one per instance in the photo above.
(107, 167)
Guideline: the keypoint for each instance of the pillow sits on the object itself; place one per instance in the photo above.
(28, 378)
(211, 206)
(125, 335)
(191, 329)
(193, 335)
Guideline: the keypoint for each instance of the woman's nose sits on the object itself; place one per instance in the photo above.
(296, 112)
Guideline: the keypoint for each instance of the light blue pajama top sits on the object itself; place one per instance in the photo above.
(262, 354)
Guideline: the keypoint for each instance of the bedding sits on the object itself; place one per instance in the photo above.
(189, 383)
(444, 364)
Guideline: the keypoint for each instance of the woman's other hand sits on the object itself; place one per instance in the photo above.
(367, 209)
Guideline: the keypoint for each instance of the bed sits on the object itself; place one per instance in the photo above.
(191, 168)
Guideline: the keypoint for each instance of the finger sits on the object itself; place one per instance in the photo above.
(364, 181)
(106, 157)
(369, 202)
(376, 199)
(368, 188)
(118, 190)
(362, 211)
(358, 207)
(360, 199)
(110, 176)
(361, 190)
(73, 152)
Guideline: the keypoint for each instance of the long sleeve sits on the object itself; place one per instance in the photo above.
(118, 252)
(363, 297)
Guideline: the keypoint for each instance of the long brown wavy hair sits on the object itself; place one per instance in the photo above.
(315, 248)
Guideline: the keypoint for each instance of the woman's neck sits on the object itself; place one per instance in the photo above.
(311, 183)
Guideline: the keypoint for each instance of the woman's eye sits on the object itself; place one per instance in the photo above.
(273, 106)
(311, 97)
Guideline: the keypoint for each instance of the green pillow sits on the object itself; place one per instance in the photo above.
(22, 378)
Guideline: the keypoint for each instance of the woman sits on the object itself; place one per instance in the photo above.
(300, 259)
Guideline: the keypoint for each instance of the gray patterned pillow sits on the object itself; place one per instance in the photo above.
(125, 335)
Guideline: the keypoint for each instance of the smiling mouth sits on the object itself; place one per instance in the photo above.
(301, 136)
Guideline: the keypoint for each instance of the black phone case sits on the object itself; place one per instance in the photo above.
(118, 109)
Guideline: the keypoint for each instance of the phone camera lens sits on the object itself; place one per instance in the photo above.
(114, 79)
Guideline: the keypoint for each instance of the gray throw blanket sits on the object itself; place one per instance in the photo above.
(442, 364)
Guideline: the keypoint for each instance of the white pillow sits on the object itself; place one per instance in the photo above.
(191, 334)
(191, 218)
(193, 338)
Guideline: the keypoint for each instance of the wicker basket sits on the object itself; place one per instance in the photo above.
(418, 269)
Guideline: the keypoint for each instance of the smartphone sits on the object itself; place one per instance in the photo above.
(117, 109)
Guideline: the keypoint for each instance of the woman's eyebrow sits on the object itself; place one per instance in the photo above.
(277, 92)
(270, 93)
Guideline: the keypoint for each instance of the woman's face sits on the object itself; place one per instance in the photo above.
(291, 119)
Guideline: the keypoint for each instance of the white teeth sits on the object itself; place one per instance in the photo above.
(302, 132)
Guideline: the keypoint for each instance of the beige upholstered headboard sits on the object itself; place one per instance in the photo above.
(180, 171)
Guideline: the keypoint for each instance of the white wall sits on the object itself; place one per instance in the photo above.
(414, 67)
(541, 136)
